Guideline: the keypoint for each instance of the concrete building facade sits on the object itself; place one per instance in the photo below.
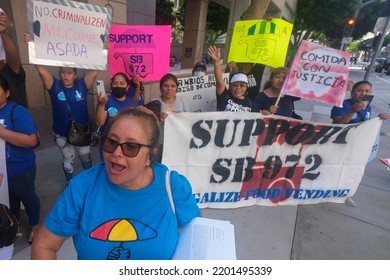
(137, 12)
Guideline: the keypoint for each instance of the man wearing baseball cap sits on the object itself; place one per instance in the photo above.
(200, 69)
(233, 99)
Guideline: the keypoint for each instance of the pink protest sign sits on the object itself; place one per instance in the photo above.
(319, 73)
(143, 50)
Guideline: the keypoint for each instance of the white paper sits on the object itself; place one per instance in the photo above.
(206, 239)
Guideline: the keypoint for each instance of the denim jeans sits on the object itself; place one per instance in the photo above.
(21, 188)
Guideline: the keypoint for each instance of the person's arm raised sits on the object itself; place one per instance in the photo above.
(90, 78)
(101, 113)
(215, 54)
(11, 54)
(44, 73)
(137, 89)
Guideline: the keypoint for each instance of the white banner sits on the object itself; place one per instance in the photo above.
(242, 159)
(68, 33)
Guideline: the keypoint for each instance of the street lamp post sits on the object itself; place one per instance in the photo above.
(377, 49)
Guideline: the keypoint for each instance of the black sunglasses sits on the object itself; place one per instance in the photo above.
(129, 149)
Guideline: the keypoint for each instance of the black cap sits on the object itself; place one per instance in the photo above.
(200, 64)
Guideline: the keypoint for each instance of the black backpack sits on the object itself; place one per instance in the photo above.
(9, 226)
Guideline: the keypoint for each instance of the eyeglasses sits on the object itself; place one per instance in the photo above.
(129, 149)
(239, 85)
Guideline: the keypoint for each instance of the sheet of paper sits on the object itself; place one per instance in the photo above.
(206, 239)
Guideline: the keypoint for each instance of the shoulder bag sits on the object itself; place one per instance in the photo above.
(9, 226)
(78, 134)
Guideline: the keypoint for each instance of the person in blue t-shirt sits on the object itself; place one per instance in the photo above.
(354, 109)
(72, 90)
(118, 99)
(20, 135)
(120, 208)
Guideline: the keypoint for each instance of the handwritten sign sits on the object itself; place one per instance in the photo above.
(260, 41)
(319, 73)
(143, 50)
(235, 160)
(200, 92)
(68, 33)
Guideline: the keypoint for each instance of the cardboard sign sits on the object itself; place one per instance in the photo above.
(318, 73)
(260, 41)
(68, 33)
(143, 50)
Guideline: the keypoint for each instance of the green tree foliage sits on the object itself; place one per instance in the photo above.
(316, 17)
(164, 12)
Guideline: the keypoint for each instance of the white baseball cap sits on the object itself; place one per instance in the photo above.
(239, 77)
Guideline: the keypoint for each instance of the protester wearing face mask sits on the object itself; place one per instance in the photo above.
(200, 69)
(117, 100)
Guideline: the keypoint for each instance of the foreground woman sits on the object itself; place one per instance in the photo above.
(120, 209)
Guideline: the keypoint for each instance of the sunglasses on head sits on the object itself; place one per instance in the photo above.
(129, 149)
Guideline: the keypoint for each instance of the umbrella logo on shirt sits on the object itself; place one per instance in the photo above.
(122, 230)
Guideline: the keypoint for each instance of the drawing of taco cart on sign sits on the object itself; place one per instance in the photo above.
(263, 42)
(139, 50)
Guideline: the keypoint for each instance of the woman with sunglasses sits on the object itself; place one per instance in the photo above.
(120, 209)
(233, 99)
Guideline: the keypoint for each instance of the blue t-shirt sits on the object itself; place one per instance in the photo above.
(18, 159)
(358, 117)
(111, 222)
(113, 106)
(77, 97)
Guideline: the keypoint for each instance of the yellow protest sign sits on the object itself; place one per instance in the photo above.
(260, 41)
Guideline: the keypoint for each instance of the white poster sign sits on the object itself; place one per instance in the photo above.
(200, 92)
(68, 33)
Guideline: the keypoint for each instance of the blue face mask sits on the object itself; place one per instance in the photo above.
(199, 73)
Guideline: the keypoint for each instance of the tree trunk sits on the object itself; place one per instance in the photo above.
(256, 10)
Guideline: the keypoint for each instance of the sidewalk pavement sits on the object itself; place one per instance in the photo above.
(325, 231)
